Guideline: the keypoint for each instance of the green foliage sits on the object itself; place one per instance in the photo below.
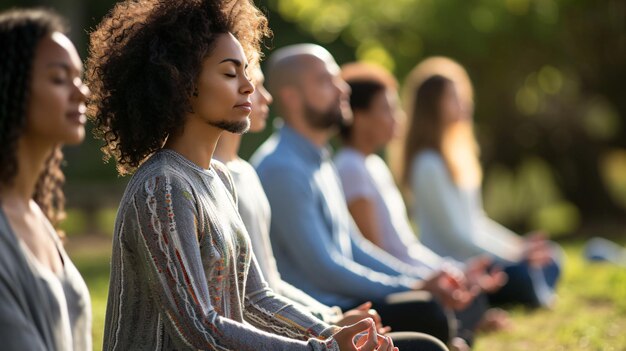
(548, 75)
(529, 198)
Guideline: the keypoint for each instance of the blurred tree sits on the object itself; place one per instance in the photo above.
(549, 74)
(549, 78)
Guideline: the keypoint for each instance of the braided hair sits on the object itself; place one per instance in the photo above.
(21, 30)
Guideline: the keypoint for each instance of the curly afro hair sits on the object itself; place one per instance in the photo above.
(145, 57)
(21, 30)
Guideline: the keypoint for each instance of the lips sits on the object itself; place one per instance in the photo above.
(247, 106)
(77, 117)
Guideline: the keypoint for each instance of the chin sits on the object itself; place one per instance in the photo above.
(257, 126)
(74, 136)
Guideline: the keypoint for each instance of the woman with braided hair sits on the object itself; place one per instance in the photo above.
(44, 302)
(168, 77)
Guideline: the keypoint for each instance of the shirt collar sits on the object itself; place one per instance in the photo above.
(304, 146)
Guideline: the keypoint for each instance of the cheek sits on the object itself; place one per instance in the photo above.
(212, 100)
(48, 105)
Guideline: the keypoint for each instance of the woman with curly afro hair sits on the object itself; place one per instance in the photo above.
(169, 76)
(44, 302)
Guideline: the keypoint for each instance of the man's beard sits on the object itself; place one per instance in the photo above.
(322, 120)
(233, 127)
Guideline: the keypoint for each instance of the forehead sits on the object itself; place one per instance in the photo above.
(57, 48)
(315, 66)
(227, 46)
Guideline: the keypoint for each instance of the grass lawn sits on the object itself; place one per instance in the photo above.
(590, 314)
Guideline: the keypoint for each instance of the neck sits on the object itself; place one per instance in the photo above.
(318, 137)
(196, 142)
(228, 147)
(31, 160)
(361, 144)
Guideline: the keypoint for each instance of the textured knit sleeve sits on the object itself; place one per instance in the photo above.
(439, 201)
(167, 222)
(273, 313)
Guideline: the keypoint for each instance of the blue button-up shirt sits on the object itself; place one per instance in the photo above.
(318, 247)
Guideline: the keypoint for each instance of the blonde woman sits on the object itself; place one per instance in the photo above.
(444, 174)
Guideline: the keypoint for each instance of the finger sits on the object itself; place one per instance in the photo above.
(372, 338)
(383, 343)
(390, 342)
(364, 307)
(375, 316)
(360, 326)
(384, 330)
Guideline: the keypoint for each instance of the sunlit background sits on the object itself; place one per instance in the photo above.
(550, 95)
(550, 106)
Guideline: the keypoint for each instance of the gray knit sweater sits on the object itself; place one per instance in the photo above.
(183, 275)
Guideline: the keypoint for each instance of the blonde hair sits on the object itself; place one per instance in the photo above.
(455, 142)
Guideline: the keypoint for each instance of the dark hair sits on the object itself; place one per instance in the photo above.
(366, 80)
(20, 32)
(145, 57)
(361, 95)
(425, 126)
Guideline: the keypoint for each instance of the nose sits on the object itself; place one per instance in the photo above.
(81, 90)
(266, 95)
(343, 86)
(246, 86)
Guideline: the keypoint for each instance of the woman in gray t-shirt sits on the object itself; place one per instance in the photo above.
(44, 302)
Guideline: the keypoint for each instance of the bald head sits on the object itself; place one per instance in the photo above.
(286, 65)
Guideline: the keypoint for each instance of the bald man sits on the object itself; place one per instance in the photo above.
(317, 246)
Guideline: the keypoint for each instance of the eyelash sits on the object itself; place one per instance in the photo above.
(59, 81)
(231, 75)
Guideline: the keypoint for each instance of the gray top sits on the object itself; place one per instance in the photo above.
(40, 310)
(256, 215)
(451, 218)
(182, 273)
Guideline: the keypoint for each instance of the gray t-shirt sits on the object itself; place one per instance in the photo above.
(40, 310)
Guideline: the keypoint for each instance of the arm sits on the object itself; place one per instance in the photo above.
(274, 314)
(301, 230)
(172, 265)
(359, 192)
(370, 255)
(363, 212)
(439, 200)
(328, 314)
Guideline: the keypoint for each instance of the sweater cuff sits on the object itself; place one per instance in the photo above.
(327, 333)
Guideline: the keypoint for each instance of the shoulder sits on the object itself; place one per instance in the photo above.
(265, 149)
(222, 171)
(281, 162)
(157, 175)
(428, 160)
(347, 160)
